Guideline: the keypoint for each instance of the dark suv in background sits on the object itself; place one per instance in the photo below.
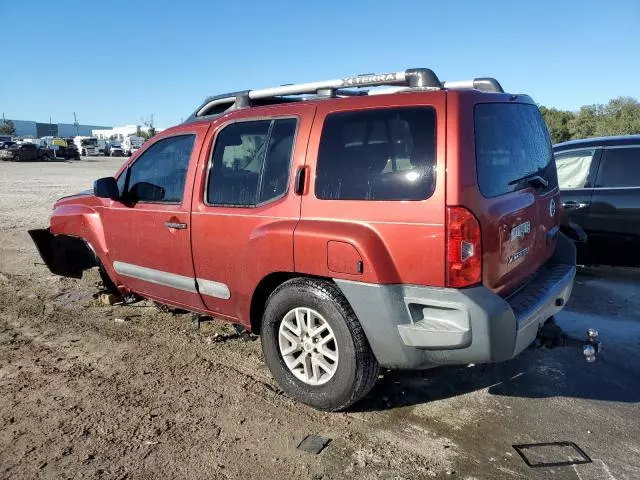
(600, 188)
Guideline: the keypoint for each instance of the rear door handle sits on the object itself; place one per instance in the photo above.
(571, 205)
(176, 225)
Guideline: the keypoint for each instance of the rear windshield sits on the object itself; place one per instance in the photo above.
(512, 143)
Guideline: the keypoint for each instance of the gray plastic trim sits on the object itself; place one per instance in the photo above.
(213, 289)
(158, 277)
(210, 288)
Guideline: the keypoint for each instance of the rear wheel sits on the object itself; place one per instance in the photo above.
(314, 345)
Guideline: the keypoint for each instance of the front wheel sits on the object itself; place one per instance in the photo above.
(314, 345)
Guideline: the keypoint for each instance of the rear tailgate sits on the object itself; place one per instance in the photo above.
(518, 182)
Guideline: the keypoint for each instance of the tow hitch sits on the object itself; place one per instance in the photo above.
(551, 335)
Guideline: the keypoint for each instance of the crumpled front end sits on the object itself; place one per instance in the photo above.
(64, 255)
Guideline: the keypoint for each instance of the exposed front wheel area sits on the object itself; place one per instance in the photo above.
(314, 345)
(308, 346)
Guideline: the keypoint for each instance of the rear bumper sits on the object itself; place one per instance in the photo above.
(420, 327)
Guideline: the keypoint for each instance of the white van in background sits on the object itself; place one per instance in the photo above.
(131, 144)
(86, 145)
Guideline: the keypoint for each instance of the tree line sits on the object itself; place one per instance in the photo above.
(621, 116)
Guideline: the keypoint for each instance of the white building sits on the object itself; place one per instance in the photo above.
(119, 133)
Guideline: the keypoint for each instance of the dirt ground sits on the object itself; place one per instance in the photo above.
(115, 392)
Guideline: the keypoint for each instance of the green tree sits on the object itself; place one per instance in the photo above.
(558, 123)
(621, 116)
(7, 128)
(584, 124)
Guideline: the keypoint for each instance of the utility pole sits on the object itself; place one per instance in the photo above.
(75, 122)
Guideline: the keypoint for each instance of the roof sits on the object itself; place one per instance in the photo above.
(599, 142)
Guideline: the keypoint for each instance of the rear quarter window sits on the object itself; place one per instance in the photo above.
(512, 142)
(378, 154)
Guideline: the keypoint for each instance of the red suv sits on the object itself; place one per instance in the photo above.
(408, 225)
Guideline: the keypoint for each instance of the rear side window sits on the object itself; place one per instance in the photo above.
(385, 154)
(619, 167)
(512, 143)
(574, 167)
(251, 162)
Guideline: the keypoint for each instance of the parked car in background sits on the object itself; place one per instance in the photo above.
(103, 147)
(402, 230)
(115, 150)
(86, 145)
(25, 152)
(131, 144)
(600, 187)
(6, 144)
(59, 148)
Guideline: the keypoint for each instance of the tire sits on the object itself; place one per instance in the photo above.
(107, 282)
(84, 152)
(355, 370)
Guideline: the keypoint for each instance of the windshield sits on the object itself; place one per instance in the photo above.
(86, 142)
(511, 143)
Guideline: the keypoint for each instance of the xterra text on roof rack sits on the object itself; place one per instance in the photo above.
(408, 227)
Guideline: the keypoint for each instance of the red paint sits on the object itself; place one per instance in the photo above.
(398, 242)
(342, 257)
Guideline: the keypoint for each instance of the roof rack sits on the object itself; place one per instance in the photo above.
(412, 78)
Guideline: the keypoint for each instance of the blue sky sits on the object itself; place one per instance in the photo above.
(118, 61)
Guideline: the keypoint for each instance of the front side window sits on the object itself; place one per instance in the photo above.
(512, 143)
(574, 167)
(160, 172)
(382, 154)
(619, 167)
(251, 162)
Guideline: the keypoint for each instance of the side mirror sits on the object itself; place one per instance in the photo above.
(106, 187)
(147, 192)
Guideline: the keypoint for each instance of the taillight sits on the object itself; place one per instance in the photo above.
(464, 254)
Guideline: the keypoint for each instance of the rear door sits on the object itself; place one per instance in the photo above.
(244, 206)
(614, 216)
(517, 177)
(576, 177)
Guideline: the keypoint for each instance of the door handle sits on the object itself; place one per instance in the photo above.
(571, 205)
(176, 225)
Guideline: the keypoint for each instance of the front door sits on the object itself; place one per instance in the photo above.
(148, 233)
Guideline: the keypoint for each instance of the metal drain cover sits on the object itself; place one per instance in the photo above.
(551, 454)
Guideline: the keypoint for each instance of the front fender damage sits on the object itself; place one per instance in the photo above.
(64, 255)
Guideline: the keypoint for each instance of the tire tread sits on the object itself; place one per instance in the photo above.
(367, 367)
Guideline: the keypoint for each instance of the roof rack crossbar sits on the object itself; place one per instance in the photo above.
(486, 84)
(413, 77)
(418, 78)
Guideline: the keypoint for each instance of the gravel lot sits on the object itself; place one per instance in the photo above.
(85, 396)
